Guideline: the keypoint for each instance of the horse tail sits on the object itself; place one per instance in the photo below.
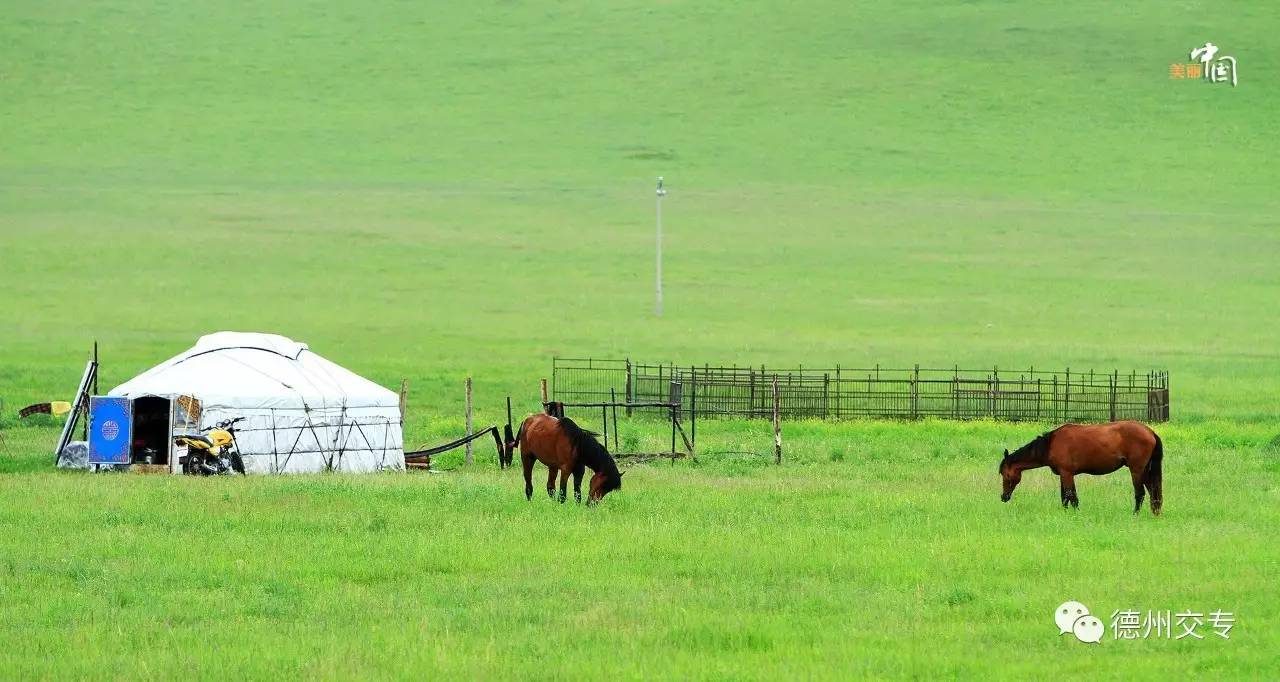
(1155, 474)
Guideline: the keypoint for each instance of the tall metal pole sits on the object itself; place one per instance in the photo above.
(661, 193)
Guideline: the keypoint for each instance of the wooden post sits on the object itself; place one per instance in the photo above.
(613, 398)
(693, 415)
(1053, 407)
(915, 392)
(838, 392)
(826, 395)
(630, 395)
(1114, 377)
(674, 409)
(544, 391)
(404, 397)
(1066, 398)
(468, 407)
(777, 425)
(992, 389)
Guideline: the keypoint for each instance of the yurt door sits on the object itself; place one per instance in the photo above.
(110, 430)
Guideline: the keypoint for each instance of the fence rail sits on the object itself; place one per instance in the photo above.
(840, 393)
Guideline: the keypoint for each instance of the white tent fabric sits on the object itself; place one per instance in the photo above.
(302, 412)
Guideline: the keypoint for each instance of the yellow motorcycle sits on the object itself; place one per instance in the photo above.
(213, 453)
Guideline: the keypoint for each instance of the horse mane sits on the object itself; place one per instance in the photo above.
(590, 451)
(1036, 449)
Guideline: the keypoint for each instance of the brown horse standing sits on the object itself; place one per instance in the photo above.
(566, 449)
(1097, 449)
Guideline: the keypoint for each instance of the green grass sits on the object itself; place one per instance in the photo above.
(431, 192)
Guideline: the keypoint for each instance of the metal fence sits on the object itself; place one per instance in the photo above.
(884, 393)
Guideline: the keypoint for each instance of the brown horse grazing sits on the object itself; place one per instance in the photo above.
(565, 448)
(1097, 449)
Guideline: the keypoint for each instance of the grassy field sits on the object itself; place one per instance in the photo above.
(431, 192)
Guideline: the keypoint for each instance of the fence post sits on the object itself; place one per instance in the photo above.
(675, 410)
(1053, 406)
(613, 398)
(630, 395)
(1066, 399)
(777, 426)
(1113, 378)
(915, 392)
(993, 386)
(404, 398)
(839, 402)
(826, 395)
(693, 416)
(751, 406)
(468, 405)
(544, 392)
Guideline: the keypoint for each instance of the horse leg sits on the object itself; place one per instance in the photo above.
(1069, 490)
(577, 483)
(551, 481)
(564, 484)
(527, 459)
(1137, 489)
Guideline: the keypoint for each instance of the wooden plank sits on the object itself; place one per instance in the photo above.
(468, 456)
(777, 425)
(404, 396)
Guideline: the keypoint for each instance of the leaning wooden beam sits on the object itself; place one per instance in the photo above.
(687, 443)
(777, 425)
(451, 445)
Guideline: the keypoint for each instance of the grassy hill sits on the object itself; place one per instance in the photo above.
(427, 192)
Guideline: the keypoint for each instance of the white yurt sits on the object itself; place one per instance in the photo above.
(302, 413)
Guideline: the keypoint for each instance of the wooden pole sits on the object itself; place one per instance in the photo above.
(544, 391)
(631, 397)
(915, 392)
(777, 425)
(693, 416)
(1114, 377)
(404, 397)
(1066, 398)
(674, 407)
(613, 398)
(468, 452)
